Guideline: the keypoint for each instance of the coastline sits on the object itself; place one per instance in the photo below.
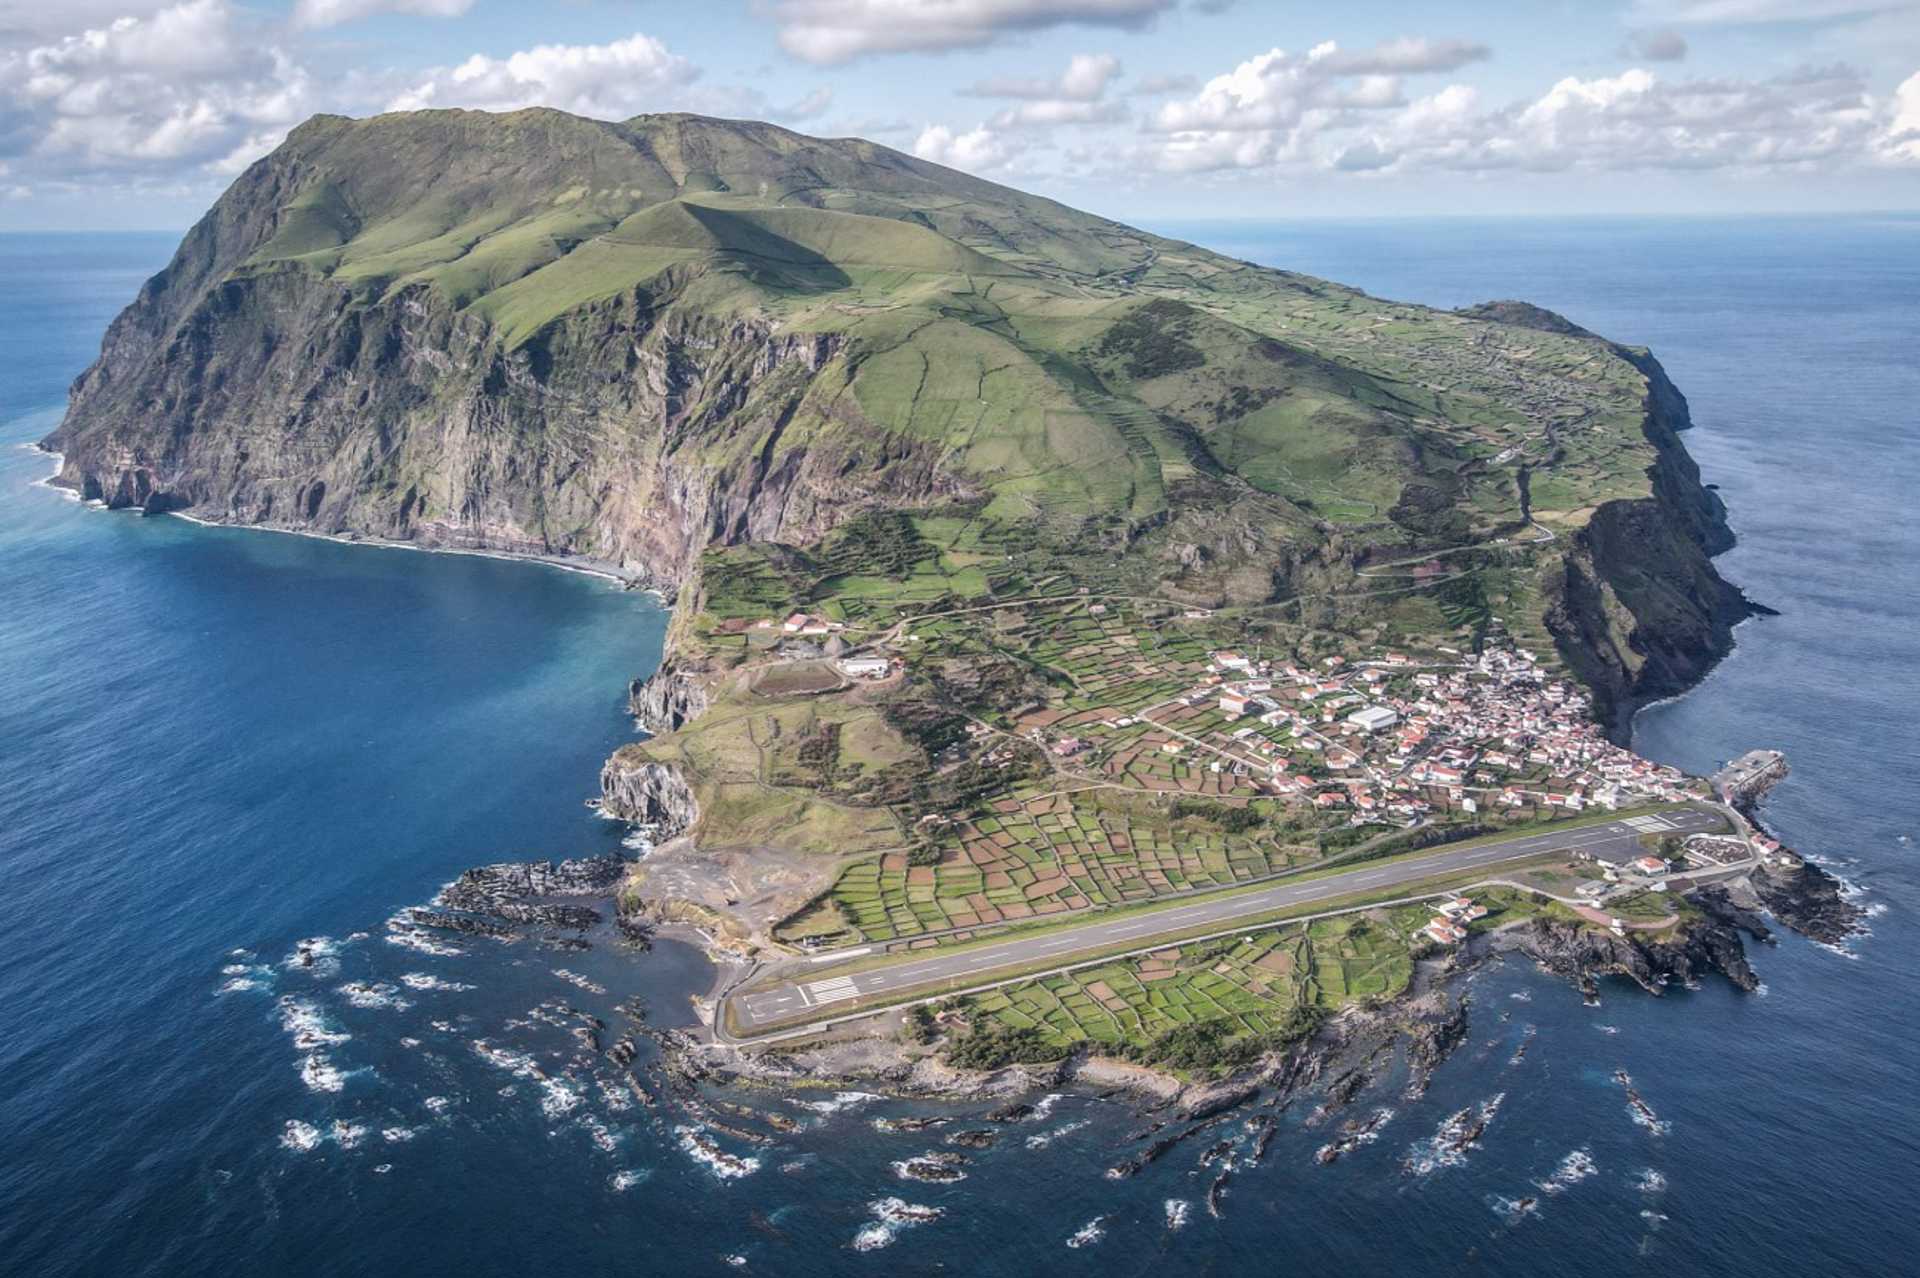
(587, 567)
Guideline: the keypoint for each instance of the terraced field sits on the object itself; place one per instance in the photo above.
(1245, 986)
(1033, 858)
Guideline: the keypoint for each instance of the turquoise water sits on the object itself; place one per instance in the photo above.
(217, 743)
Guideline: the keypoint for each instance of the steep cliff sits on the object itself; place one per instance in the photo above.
(647, 793)
(635, 341)
(1639, 611)
(1635, 605)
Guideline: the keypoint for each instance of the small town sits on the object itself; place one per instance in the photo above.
(1394, 739)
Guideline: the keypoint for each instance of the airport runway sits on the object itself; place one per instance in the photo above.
(813, 997)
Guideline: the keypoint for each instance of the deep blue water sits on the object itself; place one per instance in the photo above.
(218, 741)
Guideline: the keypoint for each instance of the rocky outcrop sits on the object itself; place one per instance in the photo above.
(634, 788)
(668, 701)
(513, 891)
(1581, 953)
(486, 886)
(1810, 901)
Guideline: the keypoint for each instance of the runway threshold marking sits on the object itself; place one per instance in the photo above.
(829, 991)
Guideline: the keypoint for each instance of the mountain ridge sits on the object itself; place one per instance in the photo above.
(637, 341)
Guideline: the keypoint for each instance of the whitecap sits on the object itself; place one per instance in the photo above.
(395, 1135)
(419, 940)
(622, 1181)
(300, 1136)
(1090, 1233)
(425, 981)
(891, 1215)
(513, 1062)
(348, 1135)
(374, 994)
(701, 1148)
(1574, 1168)
(1514, 1210)
(1178, 1211)
(1649, 1181)
(840, 1101)
(437, 1104)
(309, 1026)
(578, 981)
(320, 1074)
(1041, 1140)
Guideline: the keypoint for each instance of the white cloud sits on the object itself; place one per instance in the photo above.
(1284, 91)
(1085, 80)
(333, 13)
(1272, 112)
(1043, 114)
(1740, 12)
(1408, 55)
(1902, 140)
(829, 32)
(610, 81)
(978, 151)
(182, 88)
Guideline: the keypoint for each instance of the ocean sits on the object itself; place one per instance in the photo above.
(221, 744)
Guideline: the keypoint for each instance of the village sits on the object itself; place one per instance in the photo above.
(1392, 739)
(1158, 757)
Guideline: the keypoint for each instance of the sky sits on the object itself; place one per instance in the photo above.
(137, 113)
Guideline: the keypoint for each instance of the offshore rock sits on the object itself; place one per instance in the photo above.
(484, 889)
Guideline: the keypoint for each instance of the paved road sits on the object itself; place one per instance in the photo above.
(1616, 841)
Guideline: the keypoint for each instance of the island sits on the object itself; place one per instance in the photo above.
(1091, 656)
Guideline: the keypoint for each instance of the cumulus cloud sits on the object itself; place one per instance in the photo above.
(1408, 55)
(980, 150)
(1275, 111)
(333, 13)
(830, 32)
(1902, 140)
(1740, 12)
(610, 81)
(1085, 79)
(181, 88)
(1278, 90)
(1075, 96)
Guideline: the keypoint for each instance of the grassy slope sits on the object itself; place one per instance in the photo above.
(1090, 380)
(977, 317)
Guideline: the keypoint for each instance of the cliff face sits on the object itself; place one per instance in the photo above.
(671, 698)
(632, 341)
(280, 400)
(1636, 606)
(647, 793)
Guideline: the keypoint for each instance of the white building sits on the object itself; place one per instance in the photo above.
(866, 667)
(1373, 718)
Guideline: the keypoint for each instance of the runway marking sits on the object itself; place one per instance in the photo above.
(830, 991)
(1649, 824)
